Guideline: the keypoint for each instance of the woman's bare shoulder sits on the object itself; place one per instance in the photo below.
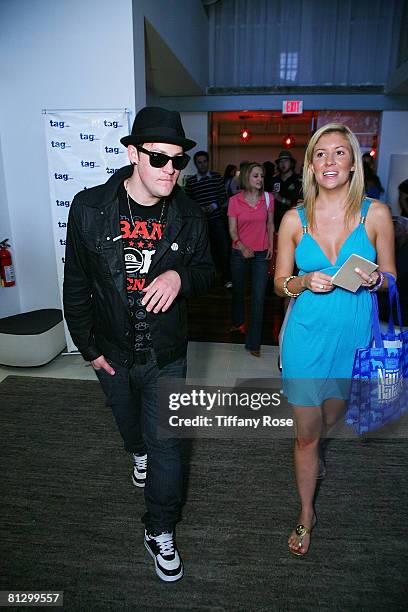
(379, 211)
(291, 219)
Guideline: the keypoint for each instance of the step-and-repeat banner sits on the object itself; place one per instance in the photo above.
(83, 151)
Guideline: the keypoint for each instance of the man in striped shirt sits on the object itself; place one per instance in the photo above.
(207, 189)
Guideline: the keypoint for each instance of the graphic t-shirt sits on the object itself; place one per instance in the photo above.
(141, 232)
(291, 190)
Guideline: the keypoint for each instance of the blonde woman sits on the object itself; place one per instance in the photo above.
(327, 324)
(250, 219)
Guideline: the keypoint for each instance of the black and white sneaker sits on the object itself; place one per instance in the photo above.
(162, 548)
(139, 470)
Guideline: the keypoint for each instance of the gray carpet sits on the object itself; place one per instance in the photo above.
(70, 516)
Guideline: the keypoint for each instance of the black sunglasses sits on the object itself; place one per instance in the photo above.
(159, 160)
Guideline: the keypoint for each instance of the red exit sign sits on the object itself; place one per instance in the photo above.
(292, 107)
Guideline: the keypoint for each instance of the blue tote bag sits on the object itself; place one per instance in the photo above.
(379, 393)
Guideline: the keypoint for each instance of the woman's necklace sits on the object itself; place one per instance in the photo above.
(334, 217)
(338, 214)
(130, 210)
(251, 202)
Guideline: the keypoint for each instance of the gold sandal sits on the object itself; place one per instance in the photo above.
(300, 532)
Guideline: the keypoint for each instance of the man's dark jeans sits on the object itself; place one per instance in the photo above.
(240, 267)
(132, 395)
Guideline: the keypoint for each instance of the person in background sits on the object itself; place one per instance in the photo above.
(207, 189)
(368, 160)
(403, 197)
(401, 259)
(236, 181)
(327, 324)
(401, 244)
(125, 288)
(251, 229)
(286, 187)
(269, 178)
(229, 175)
(372, 183)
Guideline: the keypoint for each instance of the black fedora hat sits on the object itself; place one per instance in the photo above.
(285, 155)
(155, 124)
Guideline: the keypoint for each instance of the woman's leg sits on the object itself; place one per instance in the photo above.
(238, 274)
(308, 422)
(333, 411)
(259, 281)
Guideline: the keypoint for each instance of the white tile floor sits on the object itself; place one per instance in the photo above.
(216, 363)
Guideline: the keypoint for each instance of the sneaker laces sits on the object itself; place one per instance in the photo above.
(140, 461)
(165, 543)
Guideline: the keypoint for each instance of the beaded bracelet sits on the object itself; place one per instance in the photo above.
(378, 282)
(286, 290)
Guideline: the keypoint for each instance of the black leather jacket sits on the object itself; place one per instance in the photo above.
(95, 299)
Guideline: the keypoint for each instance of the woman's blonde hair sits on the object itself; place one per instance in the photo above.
(356, 182)
(245, 172)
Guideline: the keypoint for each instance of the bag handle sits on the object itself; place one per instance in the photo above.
(393, 296)
(376, 322)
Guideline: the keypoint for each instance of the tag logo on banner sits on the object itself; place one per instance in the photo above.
(83, 150)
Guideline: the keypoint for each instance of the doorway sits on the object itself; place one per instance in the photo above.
(269, 130)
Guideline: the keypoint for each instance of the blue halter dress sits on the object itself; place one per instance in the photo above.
(325, 329)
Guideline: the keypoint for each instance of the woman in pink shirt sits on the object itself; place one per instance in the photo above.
(250, 220)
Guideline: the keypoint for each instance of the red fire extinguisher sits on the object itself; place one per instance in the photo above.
(6, 265)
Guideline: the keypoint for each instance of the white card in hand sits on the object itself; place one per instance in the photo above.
(347, 278)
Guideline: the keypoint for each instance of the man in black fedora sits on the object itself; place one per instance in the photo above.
(287, 186)
(137, 247)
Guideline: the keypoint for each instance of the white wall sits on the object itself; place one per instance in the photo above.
(393, 140)
(183, 26)
(55, 54)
